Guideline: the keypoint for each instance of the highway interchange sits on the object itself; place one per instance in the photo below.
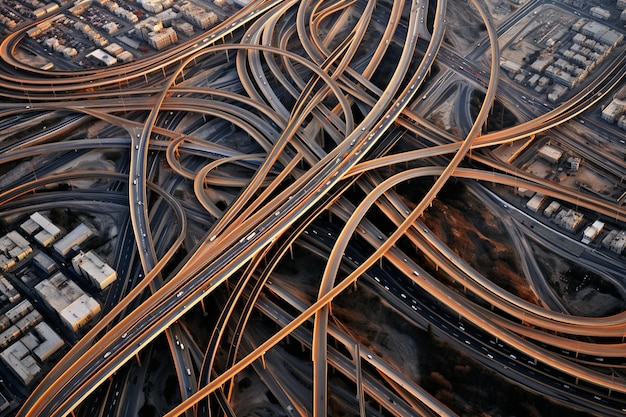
(303, 95)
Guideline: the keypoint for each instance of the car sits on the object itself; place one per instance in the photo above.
(180, 293)
(106, 355)
(124, 335)
(369, 356)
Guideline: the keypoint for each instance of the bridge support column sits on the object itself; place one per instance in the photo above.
(138, 359)
(263, 361)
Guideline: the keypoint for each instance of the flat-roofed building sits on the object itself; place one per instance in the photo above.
(80, 312)
(125, 57)
(9, 335)
(613, 110)
(91, 266)
(541, 63)
(8, 293)
(600, 13)
(568, 219)
(48, 341)
(45, 263)
(579, 38)
(615, 241)
(147, 26)
(29, 320)
(74, 307)
(556, 93)
(58, 291)
(551, 209)
(19, 360)
(41, 228)
(198, 15)
(534, 204)
(74, 238)
(19, 311)
(6, 263)
(592, 231)
(163, 38)
(510, 66)
(114, 49)
(103, 57)
(561, 77)
(29, 227)
(13, 245)
(550, 154)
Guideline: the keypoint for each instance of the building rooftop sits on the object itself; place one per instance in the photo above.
(73, 238)
(91, 266)
(18, 358)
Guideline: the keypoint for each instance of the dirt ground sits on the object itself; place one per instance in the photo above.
(588, 301)
(478, 237)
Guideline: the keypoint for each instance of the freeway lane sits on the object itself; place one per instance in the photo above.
(308, 122)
